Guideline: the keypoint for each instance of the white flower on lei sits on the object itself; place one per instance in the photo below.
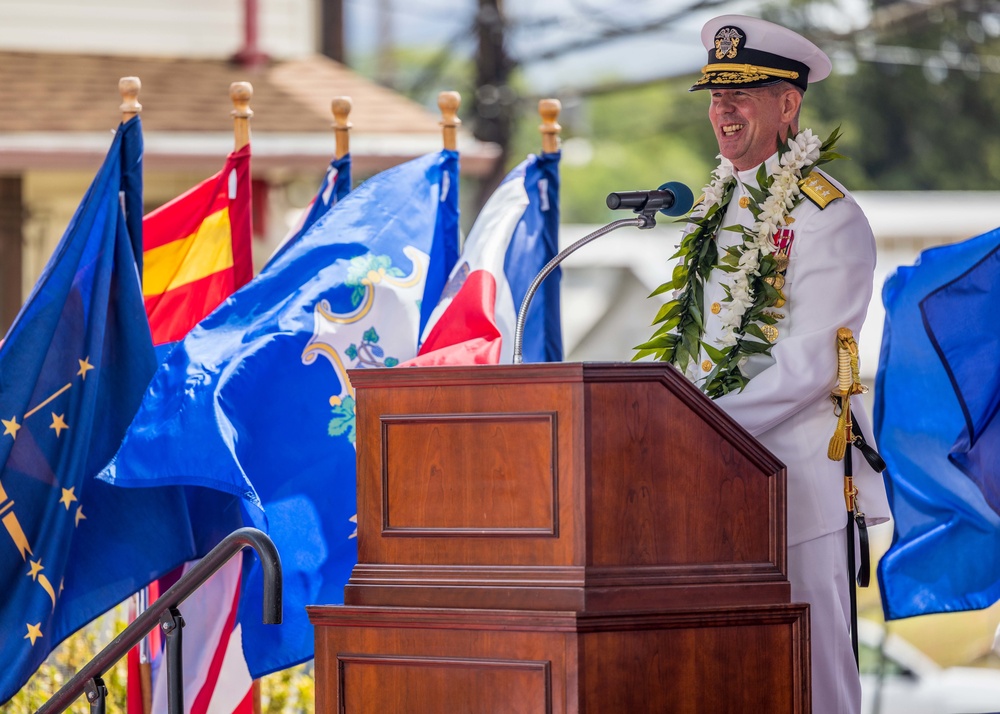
(749, 262)
(716, 188)
(803, 149)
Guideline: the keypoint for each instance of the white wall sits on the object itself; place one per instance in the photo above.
(199, 28)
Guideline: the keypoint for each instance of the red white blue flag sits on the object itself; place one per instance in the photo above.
(514, 237)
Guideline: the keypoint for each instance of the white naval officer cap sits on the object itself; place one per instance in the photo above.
(749, 52)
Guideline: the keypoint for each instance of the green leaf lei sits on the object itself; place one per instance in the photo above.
(753, 264)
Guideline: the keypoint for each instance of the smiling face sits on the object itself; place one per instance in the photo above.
(748, 122)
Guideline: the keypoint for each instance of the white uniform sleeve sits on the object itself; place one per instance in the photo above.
(833, 258)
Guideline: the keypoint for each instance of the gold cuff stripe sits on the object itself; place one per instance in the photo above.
(750, 69)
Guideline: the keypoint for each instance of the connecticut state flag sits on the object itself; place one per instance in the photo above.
(73, 369)
(260, 387)
(514, 237)
(936, 403)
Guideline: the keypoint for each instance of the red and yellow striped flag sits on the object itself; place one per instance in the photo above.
(196, 250)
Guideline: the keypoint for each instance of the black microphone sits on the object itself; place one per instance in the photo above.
(670, 199)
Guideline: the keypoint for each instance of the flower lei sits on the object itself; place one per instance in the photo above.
(755, 267)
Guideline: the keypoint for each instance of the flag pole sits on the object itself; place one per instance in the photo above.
(128, 88)
(341, 108)
(549, 110)
(448, 103)
(240, 93)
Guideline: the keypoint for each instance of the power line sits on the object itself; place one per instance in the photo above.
(615, 33)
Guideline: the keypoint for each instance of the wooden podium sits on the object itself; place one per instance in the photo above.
(561, 538)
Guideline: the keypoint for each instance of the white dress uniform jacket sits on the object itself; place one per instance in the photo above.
(786, 405)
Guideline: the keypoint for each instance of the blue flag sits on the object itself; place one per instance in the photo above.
(535, 243)
(335, 185)
(73, 369)
(937, 392)
(255, 401)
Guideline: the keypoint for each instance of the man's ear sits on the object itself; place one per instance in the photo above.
(791, 101)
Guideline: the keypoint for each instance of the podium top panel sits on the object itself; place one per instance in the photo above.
(548, 372)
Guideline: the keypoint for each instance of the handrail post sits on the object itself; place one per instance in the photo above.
(172, 625)
(97, 695)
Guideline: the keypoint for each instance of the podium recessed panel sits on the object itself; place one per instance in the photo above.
(501, 481)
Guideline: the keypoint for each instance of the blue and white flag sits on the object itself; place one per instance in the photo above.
(335, 185)
(73, 369)
(256, 402)
(937, 393)
(514, 237)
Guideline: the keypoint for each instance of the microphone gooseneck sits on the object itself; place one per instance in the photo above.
(640, 221)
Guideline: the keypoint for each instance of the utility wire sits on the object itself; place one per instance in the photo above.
(615, 33)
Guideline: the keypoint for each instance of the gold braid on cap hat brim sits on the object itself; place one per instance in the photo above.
(728, 73)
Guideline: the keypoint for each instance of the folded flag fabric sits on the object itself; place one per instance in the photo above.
(261, 386)
(197, 250)
(335, 185)
(73, 369)
(935, 424)
(514, 237)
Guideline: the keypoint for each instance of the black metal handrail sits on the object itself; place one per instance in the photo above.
(150, 617)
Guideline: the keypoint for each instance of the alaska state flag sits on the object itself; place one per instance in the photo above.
(255, 401)
(197, 250)
(73, 369)
(335, 185)
(514, 237)
(937, 394)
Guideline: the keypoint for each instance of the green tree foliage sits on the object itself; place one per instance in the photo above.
(920, 97)
(67, 659)
(290, 691)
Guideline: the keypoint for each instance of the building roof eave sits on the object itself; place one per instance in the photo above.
(206, 150)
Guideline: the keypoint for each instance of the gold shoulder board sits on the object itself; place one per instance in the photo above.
(819, 190)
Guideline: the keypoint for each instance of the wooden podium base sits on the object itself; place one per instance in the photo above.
(454, 661)
(561, 538)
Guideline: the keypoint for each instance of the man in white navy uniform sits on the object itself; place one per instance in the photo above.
(821, 267)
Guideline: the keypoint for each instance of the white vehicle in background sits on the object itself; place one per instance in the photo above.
(897, 678)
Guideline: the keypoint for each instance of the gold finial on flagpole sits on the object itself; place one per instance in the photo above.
(549, 110)
(240, 93)
(341, 108)
(129, 88)
(448, 103)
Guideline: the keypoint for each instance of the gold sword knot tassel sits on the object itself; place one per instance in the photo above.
(848, 383)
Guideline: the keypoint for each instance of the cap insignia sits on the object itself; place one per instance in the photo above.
(727, 42)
